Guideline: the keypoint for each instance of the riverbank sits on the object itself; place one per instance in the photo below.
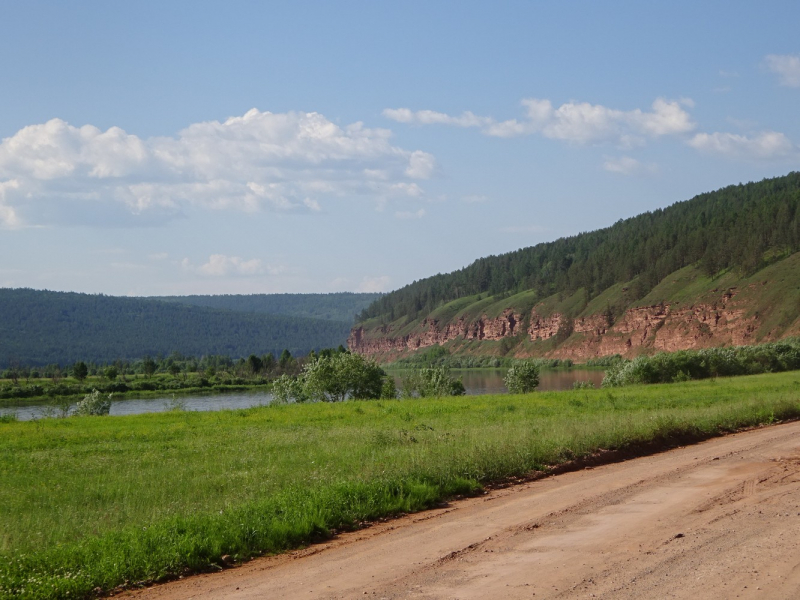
(39, 391)
(159, 495)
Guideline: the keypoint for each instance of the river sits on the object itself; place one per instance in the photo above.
(476, 382)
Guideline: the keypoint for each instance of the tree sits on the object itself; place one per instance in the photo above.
(80, 370)
(174, 369)
(148, 366)
(268, 361)
(522, 378)
(254, 364)
(285, 359)
(111, 373)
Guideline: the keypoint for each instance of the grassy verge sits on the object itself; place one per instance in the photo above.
(91, 503)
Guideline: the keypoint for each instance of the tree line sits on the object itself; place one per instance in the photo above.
(338, 306)
(42, 327)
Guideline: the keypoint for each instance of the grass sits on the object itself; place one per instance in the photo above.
(92, 503)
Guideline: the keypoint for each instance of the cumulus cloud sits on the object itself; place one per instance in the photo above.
(374, 284)
(764, 146)
(786, 67)
(625, 165)
(220, 265)
(578, 122)
(258, 161)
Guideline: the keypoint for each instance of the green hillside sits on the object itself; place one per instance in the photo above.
(42, 327)
(340, 306)
(739, 229)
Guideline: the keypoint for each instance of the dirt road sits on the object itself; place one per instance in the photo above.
(717, 520)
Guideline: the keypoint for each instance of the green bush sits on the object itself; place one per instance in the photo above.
(522, 378)
(668, 367)
(432, 382)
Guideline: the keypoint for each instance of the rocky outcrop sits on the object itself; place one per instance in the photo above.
(662, 327)
(431, 332)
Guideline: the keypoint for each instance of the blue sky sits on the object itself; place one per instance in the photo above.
(241, 147)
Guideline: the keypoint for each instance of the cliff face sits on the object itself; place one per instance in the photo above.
(431, 332)
(663, 327)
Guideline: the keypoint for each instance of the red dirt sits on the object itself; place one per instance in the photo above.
(720, 519)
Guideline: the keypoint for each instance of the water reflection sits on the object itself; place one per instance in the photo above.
(476, 382)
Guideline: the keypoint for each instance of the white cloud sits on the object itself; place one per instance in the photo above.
(420, 165)
(430, 117)
(259, 161)
(578, 122)
(158, 256)
(374, 284)
(312, 205)
(625, 165)
(475, 199)
(404, 215)
(8, 216)
(765, 145)
(220, 265)
(786, 66)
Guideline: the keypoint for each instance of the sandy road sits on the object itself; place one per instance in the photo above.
(717, 520)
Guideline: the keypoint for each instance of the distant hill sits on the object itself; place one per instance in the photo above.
(722, 268)
(42, 327)
(340, 306)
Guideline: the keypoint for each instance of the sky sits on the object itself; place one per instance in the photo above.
(168, 148)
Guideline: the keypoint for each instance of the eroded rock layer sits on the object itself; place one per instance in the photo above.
(662, 327)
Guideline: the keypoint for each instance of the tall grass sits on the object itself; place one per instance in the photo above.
(91, 503)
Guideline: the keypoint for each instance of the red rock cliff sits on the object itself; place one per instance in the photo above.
(642, 329)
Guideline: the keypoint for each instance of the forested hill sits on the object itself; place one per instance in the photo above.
(741, 226)
(340, 306)
(42, 327)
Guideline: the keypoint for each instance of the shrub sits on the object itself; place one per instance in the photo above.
(433, 382)
(287, 389)
(93, 405)
(710, 362)
(342, 375)
(522, 378)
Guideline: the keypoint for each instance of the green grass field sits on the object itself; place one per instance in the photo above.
(96, 502)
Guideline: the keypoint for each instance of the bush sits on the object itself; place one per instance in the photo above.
(701, 364)
(342, 375)
(522, 378)
(287, 389)
(433, 382)
(93, 405)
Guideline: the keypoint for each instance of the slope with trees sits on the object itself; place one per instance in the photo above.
(42, 327)
(339, 306)
(552, 297)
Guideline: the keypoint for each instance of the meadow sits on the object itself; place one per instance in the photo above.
(93, 503)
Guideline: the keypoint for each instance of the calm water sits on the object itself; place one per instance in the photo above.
(482, 381)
